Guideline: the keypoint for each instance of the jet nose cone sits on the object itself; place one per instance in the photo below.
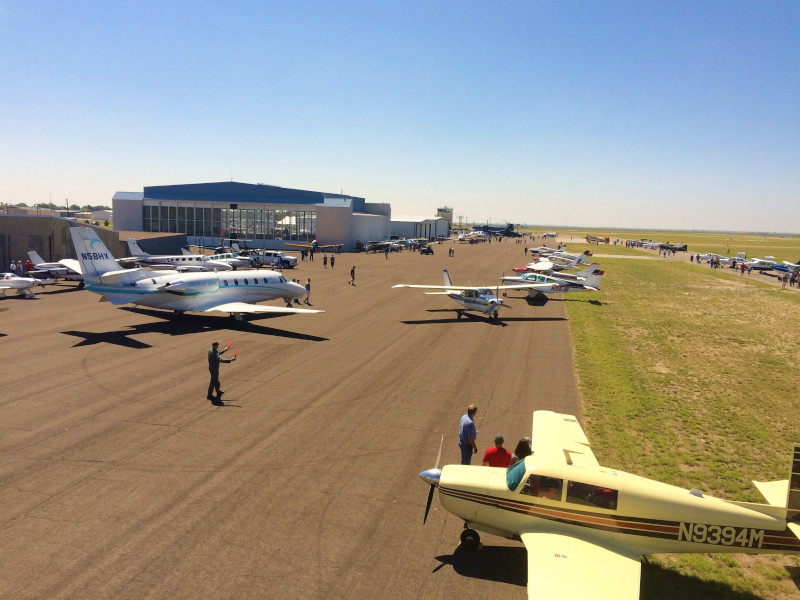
(431, 476)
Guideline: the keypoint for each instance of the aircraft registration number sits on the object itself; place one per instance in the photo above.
(721, 535)
(559, 288)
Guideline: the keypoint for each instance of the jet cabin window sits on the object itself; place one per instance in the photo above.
(591, 495)
(540, 486)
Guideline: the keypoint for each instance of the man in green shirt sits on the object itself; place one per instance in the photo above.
(214, 359)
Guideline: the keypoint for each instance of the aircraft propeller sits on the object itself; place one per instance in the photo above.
(432, 476)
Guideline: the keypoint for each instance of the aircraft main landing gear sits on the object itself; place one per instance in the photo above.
(460, 313)
(470, 539)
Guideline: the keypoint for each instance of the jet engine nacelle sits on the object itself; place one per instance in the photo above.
(192, 286)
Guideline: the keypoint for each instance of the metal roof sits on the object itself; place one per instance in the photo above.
(128, 196)
(234, 193)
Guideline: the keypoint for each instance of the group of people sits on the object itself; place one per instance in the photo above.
(495, 456)
(19, 268)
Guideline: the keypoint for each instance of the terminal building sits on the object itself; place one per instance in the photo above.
(266, 216)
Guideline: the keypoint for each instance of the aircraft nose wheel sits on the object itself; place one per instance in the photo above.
(470, 539)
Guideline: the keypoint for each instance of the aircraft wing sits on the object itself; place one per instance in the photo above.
(522, 286)
(560, 437)
(435, 287)
(481, 288)
(244, 307)
(571, 568)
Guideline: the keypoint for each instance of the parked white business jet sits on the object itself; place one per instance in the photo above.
(207, 291)
(179, 262)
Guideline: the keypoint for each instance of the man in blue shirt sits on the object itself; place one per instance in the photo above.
(467, 435)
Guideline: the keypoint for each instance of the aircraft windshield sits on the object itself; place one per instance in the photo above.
(515, 474)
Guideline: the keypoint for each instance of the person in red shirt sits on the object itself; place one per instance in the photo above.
(497, 456)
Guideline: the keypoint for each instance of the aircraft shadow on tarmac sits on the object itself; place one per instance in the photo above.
(54, 288)
(496, 563)
(468, 318)
(179, 325)
(510, 565)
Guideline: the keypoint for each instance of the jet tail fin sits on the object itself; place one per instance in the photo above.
(447, 281)
(35, 258)
(93, 256)
(135, 249)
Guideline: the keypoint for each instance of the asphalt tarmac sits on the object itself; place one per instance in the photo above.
(118, 479)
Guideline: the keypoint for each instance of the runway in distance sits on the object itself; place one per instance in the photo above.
(473, 299)
(586, 527)
(210, 291)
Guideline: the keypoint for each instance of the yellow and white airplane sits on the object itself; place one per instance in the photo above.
(586, 527)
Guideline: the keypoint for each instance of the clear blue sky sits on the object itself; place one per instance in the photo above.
(632, 114)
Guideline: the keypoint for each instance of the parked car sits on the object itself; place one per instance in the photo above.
(265, 258)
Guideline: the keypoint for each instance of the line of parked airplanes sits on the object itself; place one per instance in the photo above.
(765, 263)
(201, 283)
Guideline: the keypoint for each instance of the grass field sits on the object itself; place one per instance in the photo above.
(689, 375)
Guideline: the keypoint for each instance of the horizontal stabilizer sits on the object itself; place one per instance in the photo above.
(774, 491)
(124, 276)
(244, 307)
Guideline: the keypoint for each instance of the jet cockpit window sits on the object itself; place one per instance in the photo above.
(284, 280)
(540, 486)
(591, 495)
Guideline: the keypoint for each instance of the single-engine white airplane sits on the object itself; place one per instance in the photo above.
(66, 268)
(22, 285)
(475, 299)
(589, 281)
(208, 291)
(586, 527)
(179, 262)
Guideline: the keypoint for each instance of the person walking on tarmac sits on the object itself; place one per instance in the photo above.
(214, 359)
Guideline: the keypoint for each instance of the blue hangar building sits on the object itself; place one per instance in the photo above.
(265, 215)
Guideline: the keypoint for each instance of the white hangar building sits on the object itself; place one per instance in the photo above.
(265, 215)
